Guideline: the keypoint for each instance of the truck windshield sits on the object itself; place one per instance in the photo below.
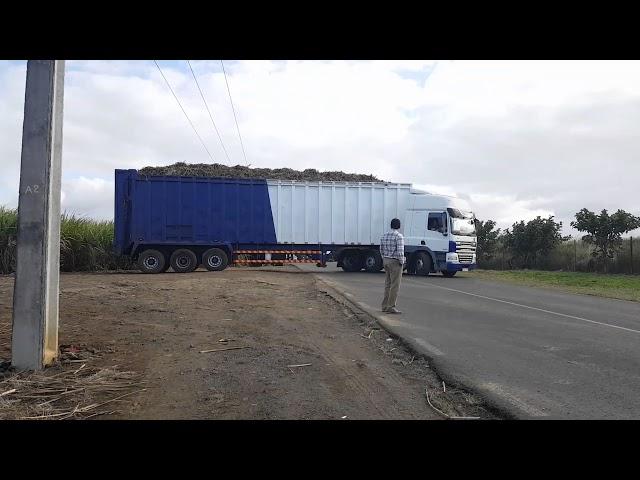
(462, 223)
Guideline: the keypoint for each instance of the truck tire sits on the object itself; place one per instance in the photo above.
(352, 262)
(215, 259)
(373, 261)
(448, 273)
(151, 261)
(183, 260)
(423, 264)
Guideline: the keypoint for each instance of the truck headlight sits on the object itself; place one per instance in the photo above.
(452, 257)
(473, 260)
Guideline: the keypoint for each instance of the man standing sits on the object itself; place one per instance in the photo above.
(392, 251)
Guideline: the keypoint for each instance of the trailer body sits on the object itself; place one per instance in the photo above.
(165, 213)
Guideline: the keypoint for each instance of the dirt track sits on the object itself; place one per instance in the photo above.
(157, 325)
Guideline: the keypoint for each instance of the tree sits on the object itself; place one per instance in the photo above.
(487, 238)
(528, 241)
(604, 231)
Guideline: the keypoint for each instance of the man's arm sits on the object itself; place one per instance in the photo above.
(401, 247)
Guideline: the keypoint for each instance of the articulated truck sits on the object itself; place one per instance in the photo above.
(182, 222)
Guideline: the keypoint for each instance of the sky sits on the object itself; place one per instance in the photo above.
(516, 138)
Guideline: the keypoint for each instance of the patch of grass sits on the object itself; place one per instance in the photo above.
(624, 287)
(8, 233)
(85, 244)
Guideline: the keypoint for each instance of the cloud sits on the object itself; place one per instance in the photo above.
(437, 189)
(90, 197)
(503, 209)
(538, 158)
(517, 138)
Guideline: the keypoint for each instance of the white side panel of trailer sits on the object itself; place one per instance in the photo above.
(335, 213)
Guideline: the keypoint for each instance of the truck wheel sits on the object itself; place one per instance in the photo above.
(151, 261)
(373, 261)
(448, 273)
(183, 260)
(215, 259)
(423, 264)
(352, 262)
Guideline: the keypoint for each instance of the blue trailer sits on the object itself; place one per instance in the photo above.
(182, 222)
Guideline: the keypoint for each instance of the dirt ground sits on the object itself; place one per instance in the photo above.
(285, 349)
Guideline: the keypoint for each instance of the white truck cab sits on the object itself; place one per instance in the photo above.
(440, 234)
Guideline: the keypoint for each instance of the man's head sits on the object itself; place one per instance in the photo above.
(395, 224)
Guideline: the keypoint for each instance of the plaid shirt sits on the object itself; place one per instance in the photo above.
(392, 245)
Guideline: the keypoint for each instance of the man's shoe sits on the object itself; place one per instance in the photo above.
(393, 310)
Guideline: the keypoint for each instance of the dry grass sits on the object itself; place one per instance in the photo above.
(70, 390)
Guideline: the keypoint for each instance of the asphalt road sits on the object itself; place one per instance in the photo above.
(534, 352)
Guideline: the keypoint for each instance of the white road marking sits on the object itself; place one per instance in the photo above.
(533, 308)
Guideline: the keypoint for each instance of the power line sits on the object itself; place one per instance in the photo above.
(183, 111)
(209, 111)
(234, 111)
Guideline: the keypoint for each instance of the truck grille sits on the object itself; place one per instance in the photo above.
(465, 250)
(465, 257)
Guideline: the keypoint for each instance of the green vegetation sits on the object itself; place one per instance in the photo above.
(605, 231)
(532, 240)
(488, 239)
(85, 244)
(8, 229)
(624, 287)
(538, 244)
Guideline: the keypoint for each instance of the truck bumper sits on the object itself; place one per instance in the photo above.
(457, 267)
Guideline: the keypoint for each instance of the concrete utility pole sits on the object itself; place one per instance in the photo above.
(36, 291)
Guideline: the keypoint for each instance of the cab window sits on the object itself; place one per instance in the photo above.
(436, 222)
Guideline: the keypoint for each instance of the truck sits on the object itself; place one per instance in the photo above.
(181, 222)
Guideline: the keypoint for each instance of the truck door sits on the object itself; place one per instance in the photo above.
(415, 229)
(437, 231)
(418, 227)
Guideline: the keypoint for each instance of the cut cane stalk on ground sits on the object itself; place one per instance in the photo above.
(223, 349)
(449, 417)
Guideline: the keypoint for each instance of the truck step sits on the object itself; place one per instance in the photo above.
(240, 262)
(293, 252)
